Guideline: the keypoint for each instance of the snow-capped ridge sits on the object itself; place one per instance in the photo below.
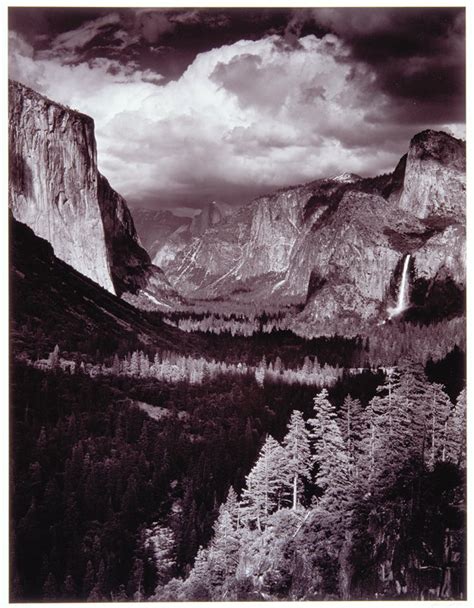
(346, 178)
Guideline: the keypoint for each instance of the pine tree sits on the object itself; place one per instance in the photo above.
(297, 464)
(116, 368)
(144, 364)
(134, 364)
(278, 366)
(232, 506)
(135, 585)
(454, 439)
(70, 590)
(121, 596)
(405, 425)
(224, 550)
(53, 358)
(160, 540)
(199, 577)
(307, 368)
(261, 494)
(89, 579)
(50, 588)
(437, 407)
(125, 366)
(260, 375)
(351, 425)
(412, 411)
(330, 454)
(386, 444)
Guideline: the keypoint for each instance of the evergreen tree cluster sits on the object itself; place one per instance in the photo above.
(107, 502)
(361, 503)
(390, 343)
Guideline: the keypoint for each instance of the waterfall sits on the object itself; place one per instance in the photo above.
(402, 301)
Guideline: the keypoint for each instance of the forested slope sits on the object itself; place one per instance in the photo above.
(367, 503)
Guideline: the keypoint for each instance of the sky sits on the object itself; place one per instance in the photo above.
(196, 105)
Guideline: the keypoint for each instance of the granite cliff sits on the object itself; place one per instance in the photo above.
(435, 176)
(56, 189)
(254, 242)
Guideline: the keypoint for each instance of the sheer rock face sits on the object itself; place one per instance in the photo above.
(56, 189)
(354, 257)
(129, 263)
(164, 234)
(435, 176)
(445, 253)
(353, 249)
(54, 180)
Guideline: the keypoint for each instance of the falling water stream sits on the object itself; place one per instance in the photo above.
(402, 301)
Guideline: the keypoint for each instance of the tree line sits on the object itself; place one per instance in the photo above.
(168, 366)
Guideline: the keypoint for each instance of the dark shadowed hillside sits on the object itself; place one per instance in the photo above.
(53, 303)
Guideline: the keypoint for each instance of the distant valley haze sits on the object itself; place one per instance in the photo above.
(196, 105)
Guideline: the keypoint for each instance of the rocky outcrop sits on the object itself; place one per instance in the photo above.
(56, 189)
(209, 216)
(445, 252)
(128, 261)
(165, 235)
(346, 178)
(435, 176)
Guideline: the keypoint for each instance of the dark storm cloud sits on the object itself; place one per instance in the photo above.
(193, 195)
(418, 54)
(40, 25)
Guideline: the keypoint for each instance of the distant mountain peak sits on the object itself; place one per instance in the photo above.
(346, 178)
(210, 215)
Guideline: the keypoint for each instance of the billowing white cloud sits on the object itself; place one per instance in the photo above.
(242, 119)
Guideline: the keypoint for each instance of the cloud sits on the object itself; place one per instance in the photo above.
(253, 82)
(152, 24)
(242, 120)
(417, 54)
(21, 63)
(69, 45)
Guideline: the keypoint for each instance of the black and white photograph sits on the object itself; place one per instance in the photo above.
(237, 303)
